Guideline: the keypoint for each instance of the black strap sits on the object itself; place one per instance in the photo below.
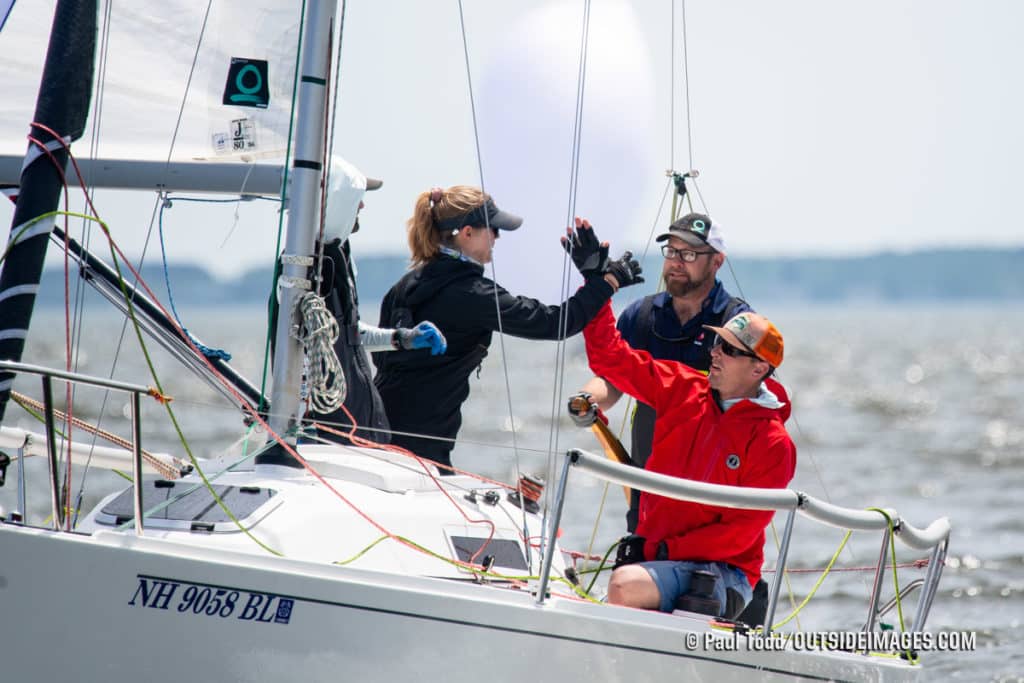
(644, 322)
(730, 309)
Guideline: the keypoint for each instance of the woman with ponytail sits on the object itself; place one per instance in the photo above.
(452, 234)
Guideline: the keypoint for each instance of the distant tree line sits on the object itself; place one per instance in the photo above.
(928, 275)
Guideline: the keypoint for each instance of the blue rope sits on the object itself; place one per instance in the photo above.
(203, 349)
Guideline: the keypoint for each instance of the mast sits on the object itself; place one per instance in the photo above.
(62, 105)
(303, 219)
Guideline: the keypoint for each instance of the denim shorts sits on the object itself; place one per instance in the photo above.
(673, 579)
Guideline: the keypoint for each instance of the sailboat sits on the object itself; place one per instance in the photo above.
(312, 561)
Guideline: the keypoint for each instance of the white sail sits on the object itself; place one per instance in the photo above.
(148, 78)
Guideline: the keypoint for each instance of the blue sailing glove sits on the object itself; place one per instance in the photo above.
(423, 336)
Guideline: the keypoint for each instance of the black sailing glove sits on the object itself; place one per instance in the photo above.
(625, 270)
(588, 254)
(631, 549)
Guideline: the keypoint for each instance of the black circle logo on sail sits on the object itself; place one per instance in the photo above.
(247, 83)
(732, 462)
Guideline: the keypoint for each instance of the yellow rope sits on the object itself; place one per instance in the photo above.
(577, 590)
(817, 585)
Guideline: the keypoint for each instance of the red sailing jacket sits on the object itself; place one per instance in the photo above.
(694, 439)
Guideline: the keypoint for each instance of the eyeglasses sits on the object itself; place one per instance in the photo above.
(734, 351)
(685, 255)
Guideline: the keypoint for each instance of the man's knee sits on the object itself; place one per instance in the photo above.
(632, 586)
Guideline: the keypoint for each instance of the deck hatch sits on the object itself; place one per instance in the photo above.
(197, 507)
(506, 553)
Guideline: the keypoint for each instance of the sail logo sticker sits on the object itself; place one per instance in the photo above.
(192, 599)
(733, 462)
(247, 83)
(240, 138)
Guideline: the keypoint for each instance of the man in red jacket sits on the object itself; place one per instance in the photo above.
(726, 428)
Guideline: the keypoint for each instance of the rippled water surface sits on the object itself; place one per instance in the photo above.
(918, 409)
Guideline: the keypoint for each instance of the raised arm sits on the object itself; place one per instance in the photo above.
(525, 317)
(634, 372)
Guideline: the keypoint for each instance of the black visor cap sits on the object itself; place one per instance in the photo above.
(486, 214)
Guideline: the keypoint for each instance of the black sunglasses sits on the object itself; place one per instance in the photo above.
(734, 351)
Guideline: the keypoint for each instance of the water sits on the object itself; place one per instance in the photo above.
(918, 409)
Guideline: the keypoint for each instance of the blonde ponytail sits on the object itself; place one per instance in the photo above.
(436, 205)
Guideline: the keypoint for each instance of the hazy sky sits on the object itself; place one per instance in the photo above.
(818, 127)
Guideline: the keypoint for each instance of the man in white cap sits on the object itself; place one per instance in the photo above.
(345, 190)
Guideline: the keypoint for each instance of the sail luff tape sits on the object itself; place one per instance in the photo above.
(34, 151)
(21, 233)
(296, 260)
(19, 290)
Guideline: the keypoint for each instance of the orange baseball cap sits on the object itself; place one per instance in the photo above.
(756, 334)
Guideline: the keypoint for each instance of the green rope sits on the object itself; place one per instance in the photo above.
(600, 567)
(466, 567)
(895, 576)
(14, 240)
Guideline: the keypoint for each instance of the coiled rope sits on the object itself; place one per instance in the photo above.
(317, 334)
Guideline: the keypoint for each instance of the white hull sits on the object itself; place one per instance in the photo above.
(81, 617)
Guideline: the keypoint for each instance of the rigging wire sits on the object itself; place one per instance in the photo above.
(86, 236)
(686, 81)
(335, 97)
(574, 166)
(494, 270)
